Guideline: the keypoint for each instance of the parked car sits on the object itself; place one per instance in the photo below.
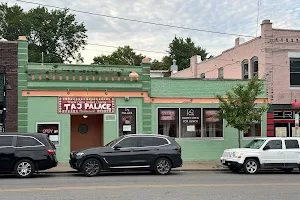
(156, 153)
(26, 153)
(264, 153)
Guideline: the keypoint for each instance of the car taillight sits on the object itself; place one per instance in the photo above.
(51, 152)
(178, 149)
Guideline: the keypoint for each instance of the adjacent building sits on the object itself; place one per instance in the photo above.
(9, 60)
(273, 56)
(82, 106)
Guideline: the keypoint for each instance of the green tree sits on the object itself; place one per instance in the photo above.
(122, 56)
(54, 33)
(182, 50)
(239, 108)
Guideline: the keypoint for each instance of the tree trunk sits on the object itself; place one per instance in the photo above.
(239, 139)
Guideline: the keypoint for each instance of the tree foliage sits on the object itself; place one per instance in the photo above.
(122, 56)
(181, 50)
(239, 108)
(56, 33)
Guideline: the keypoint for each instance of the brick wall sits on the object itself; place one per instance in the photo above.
(8, 55)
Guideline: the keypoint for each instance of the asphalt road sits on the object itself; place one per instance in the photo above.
(136, 186)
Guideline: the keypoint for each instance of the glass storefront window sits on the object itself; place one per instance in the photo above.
(254, 130)
(168, 121)
(190, 119)
(213, 126)
(127, 121)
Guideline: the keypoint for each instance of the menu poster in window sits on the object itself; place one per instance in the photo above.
(211, 115)
(190, 115)
(167, 115)
(52, 130)
(127, 121)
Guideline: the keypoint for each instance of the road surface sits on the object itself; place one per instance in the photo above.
(136, 186)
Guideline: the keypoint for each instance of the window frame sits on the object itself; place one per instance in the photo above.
(253, 60)
(138, 143)
(59, 131)
(221, 75)
(42, 144)
(243, 63)
(122, 140)
(136, 119)
(290, 59)
(179, 126)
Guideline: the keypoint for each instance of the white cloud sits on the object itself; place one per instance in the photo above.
(239, 16)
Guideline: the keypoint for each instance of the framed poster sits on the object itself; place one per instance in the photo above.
(51, 129)
(127, 121)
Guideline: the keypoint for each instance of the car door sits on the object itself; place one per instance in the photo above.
(122, 154)
(292, 152)
(272, 154)
(146, 150)
(7, 151)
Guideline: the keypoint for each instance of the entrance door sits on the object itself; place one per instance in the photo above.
(86, 131)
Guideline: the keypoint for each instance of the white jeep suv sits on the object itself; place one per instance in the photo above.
(264, 153)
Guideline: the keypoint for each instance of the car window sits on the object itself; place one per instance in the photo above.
(152, 141)
(159, 141)
(275, 144)
(27, 141)
(129, 142)
(292, 144)
(6, 141)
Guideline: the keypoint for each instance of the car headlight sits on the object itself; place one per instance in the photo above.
(238, 155)
(79, 154)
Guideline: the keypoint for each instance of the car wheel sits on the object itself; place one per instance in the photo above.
(24, 169)
(162, 166)
(91, 167)
(234, 169)
(288, 170)
(251, 166)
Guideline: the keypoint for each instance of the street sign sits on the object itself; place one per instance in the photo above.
(297, 121)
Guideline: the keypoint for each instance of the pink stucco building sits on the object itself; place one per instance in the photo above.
(275, 57)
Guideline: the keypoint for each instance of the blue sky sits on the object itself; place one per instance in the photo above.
(232, 16)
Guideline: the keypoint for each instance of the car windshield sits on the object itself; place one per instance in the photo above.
(255, 144)
(111, 143)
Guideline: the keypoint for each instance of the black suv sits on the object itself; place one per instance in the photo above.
(156, 153)
(26, 153)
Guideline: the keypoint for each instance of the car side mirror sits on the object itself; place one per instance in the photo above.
(117, 146)
(266, 147)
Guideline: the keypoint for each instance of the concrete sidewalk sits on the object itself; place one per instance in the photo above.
(187, 166)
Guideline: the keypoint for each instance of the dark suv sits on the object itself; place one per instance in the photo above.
(26, 153)
(149, 152)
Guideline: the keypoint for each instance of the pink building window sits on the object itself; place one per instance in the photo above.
(254, 66)
(245, 69)
(295, 72)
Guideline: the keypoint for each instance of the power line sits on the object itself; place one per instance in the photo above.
(138, 21)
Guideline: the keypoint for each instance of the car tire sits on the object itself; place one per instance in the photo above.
(251, 166)
(162, 166)
(288, 170)
(24, 168)
(91, 167)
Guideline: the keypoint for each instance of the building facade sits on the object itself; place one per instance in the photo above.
(82, 106)
(275, 57)
(9, 58)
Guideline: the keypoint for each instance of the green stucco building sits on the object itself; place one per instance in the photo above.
(83, 106)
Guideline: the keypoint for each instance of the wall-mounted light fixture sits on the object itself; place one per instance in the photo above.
(85, 116)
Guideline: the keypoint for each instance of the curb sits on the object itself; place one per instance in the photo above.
(182, 170)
